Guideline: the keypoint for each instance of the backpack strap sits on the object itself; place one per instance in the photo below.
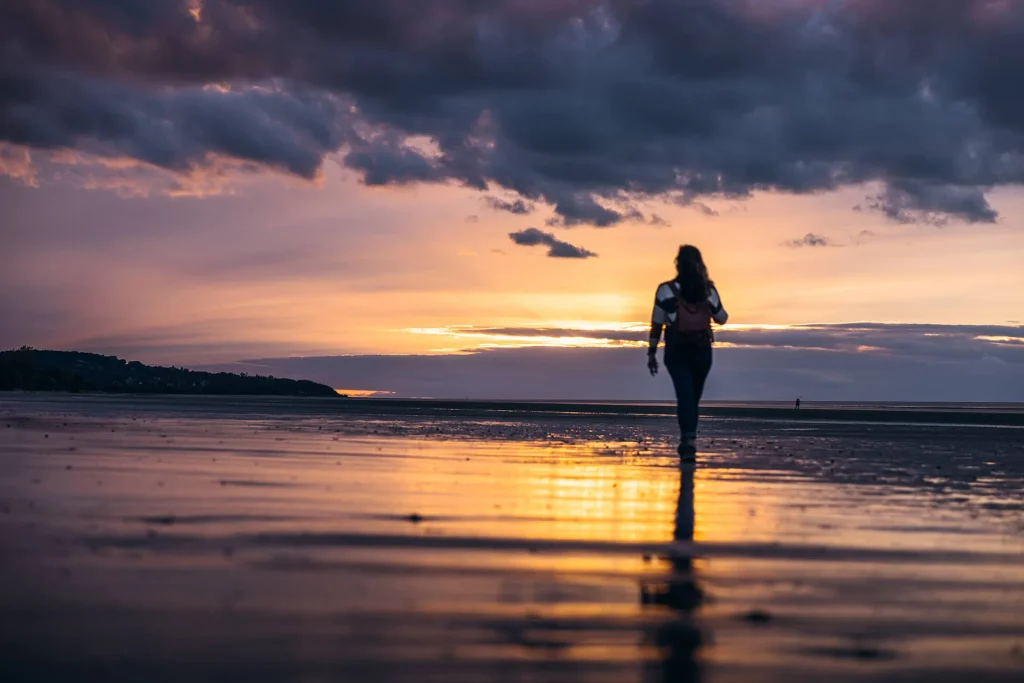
(680, 301)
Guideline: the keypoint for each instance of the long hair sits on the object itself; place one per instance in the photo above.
(692, 275)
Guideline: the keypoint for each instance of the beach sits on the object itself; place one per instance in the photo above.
(177, 538)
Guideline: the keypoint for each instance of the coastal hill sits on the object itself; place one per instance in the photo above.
(30, 370)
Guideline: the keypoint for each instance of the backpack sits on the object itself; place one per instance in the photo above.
(693, 321)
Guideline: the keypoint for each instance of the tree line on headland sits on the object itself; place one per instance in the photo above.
(28, 369)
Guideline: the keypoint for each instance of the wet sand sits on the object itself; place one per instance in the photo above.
(177, 539)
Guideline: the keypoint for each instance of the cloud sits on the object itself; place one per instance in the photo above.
(591, 107)
(516, 207)
(583, 209)
(16, 163)
(854, 362)
(181, 129)
(703, 208)
(934, 342)
(916, 202)
(532, 237)
(810, 240)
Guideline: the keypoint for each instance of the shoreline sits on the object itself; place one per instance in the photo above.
(939, 414)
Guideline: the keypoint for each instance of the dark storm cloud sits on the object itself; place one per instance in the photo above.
(176, 128)
(532, 237)
(589, 106)
(582, 209)
(916, 202)
(810, 240)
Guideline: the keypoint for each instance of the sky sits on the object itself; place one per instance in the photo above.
(479, 197)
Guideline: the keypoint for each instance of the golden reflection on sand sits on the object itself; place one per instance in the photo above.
(582, 491)
(579, 491)
(287, 541)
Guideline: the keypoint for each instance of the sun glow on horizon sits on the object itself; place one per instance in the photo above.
(566, 334)
(363, 393)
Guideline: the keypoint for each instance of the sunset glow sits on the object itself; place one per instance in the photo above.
(270, 208)
(411, 341)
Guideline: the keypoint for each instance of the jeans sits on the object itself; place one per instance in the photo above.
(688, 365)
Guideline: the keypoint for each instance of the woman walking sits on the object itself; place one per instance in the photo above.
(685, 307)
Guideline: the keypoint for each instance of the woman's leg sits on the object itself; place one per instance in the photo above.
(700, 366)
(679, 368)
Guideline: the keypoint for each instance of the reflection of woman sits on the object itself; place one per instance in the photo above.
(685, 308)
(680, 640)
(683, 591)
(685, 515)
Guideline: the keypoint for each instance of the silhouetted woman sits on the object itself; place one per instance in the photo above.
(685, 308)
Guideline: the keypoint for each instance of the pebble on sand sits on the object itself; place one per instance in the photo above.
(757, 616)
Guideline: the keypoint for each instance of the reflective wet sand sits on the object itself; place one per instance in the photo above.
(155, 540)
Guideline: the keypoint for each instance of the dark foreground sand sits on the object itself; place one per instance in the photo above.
(190, 540)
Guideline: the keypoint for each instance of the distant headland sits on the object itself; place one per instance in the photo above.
(28, 369)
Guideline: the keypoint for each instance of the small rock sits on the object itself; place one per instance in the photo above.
(757, 616)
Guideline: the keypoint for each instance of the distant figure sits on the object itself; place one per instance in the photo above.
(798, 404)
(685, 308)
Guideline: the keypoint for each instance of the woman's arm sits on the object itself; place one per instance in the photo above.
(664, 305)
(659, 318)
(718, 313)
(655, 338)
